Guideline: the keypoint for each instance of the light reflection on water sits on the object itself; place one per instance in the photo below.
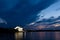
(19, 35)
(30, 36)
(38, 36)
(57, 35)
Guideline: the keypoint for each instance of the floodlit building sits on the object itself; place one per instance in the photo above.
(18, 28)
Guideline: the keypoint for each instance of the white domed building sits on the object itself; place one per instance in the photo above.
(18, 28)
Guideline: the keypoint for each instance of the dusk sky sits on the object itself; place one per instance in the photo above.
(22, 12)
(52, 10)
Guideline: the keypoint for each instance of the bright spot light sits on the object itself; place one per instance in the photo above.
(18, 28)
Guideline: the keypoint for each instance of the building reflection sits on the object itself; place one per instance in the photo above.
(37, 36)
(19, 36)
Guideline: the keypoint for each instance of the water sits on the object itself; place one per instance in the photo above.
(30, 36)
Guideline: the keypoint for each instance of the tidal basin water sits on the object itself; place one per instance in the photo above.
(30, 36)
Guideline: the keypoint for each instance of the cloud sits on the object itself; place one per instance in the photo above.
(49, 11)
(21, 12)
(2, 21)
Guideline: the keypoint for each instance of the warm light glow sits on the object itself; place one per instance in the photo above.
(18, 35)
(41, 27)
(56, 25)
(19, 28)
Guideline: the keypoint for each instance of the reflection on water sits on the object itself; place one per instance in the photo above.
(30, 36)
(7, 36)
(19, 35)
(37, 36)
(40, 36)
(57, 35)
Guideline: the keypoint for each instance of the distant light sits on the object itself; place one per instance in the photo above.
(18, 28)
(32, 23)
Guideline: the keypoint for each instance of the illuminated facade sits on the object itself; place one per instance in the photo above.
(18, 28)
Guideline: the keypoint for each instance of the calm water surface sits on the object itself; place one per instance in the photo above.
(30, 36)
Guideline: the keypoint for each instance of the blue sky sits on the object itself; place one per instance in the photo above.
(22, 12)
(52, 10)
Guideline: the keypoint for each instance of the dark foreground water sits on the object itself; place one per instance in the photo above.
(30, 36)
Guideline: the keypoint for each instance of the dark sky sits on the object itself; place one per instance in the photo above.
(22, 12)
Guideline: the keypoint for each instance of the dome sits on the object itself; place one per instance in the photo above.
(18, 28)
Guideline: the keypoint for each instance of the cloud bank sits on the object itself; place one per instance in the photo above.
(22, 12)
